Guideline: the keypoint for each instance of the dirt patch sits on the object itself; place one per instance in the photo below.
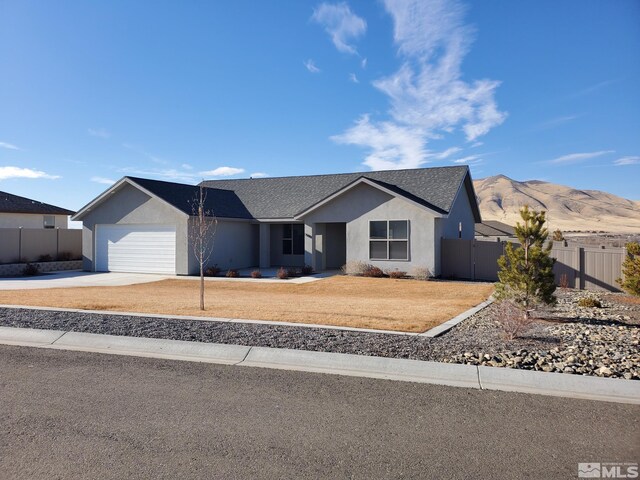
(379, 303)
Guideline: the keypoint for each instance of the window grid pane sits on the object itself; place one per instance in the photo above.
(378, 230)
(398, 250)
(378, 249)
(398, 229)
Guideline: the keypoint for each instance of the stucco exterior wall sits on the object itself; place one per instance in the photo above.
(364, 203)
(461, 213)
(30, 220)
(235, 245)
(131, 206)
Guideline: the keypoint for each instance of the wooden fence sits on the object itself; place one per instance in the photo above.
(587, 268)
(29, 244)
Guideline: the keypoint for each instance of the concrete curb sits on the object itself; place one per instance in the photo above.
(469, 376)
(362, 366)
(449, 324)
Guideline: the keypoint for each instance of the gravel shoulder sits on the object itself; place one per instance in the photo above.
(565, 338)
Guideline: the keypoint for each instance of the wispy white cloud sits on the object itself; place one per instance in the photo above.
(103, 180)
(363, 63)
(8, 146)
(342, 25)
(477, 144)
(311, 66)
(259, 175)
(594, 88)
(99, 132)
(19, 172)
(222, 172)
(632, 160)
(578, 157)
(427, 94)
(554, 122)
(186, 166)
(470, 159)
(353, 78)
(445, 154)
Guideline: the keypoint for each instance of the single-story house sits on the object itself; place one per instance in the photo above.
(22, 212)
(494, 230)
(392, 219)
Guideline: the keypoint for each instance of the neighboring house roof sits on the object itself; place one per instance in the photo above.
(285, 197)
(10, 203)
(493, 228)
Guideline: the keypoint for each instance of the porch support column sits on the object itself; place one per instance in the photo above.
(310, 244)
(321, 247)
(265, 245)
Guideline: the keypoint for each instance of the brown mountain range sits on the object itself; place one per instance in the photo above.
(568, 209)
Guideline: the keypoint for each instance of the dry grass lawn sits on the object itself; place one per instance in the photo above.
(379, 303)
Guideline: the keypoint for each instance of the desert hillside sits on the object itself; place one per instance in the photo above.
(567, 208)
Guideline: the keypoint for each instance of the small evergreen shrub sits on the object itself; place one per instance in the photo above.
(292, 272)
(307, 270)
(256, 274)
(233, 273)
(282, 273)
(589, 302)
(630, 282)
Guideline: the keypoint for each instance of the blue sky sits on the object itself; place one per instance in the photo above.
(179, 91)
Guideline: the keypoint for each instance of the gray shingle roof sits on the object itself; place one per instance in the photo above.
(10, 203)
(493, 228)
(284, 197)
(222, 203)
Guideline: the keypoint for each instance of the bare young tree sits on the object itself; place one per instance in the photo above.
(202, 229)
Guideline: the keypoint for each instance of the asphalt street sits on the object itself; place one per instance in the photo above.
(80, 415)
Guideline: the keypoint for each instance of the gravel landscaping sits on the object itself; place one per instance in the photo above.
(565, 338)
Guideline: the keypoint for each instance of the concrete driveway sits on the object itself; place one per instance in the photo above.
(78, 279)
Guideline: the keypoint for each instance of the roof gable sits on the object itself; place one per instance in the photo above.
(10, 203)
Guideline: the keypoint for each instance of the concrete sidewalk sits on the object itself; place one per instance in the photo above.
(469, 376)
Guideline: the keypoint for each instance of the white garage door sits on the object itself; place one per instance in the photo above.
(136, 248)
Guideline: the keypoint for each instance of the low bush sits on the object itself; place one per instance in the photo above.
(372, 271)
(420, 273)
(293, 272)
(564, 282)
(212, 271)
(256, 274)
(233, 273)
(589, 302)
(31, 269)
(355, 267)
(64, 256)
(396, 274)
(306, 270)
(45, 258)
(282, 273)
(511, 319)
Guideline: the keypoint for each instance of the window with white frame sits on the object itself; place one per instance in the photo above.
(49, 221)
(389, 240)
(293, 239)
